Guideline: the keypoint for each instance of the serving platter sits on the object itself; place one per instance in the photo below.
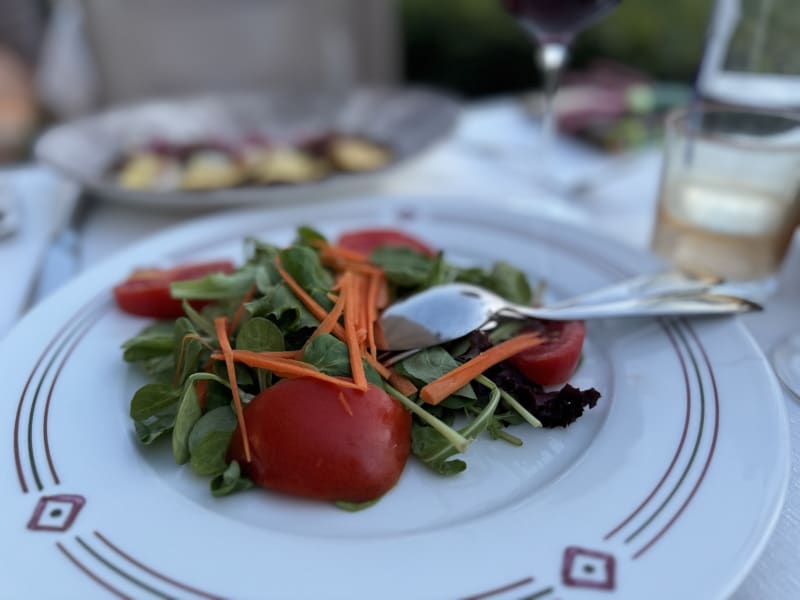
(668, 488)
(408, 121)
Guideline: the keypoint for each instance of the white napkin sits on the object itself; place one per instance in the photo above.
(39, 194)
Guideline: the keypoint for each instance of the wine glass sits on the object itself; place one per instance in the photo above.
(553, 24)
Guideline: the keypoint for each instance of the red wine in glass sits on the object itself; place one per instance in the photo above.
(559, 19)
(553, 23)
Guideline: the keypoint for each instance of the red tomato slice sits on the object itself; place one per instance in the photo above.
(555, 360)
(146, 291)
(303, 440)
(366, 240)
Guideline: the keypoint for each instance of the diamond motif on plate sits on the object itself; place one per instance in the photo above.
(56, 513)
(588, 569)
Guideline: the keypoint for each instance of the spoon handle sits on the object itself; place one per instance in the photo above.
(645, 306)
(644, 285)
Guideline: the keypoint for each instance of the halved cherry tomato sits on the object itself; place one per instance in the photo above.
(304, 441)
(555, 360)
(366, 240)
(146, 291)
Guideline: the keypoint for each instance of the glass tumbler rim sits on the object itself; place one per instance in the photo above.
(677, 121)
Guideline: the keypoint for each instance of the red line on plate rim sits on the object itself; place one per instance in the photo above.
(36, 365)
(687, 417)
(100, 309)
(153, 572)
(92, 575)
(500, 590)
(711, 449)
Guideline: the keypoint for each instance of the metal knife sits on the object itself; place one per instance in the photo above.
(62, 258)
(9, 211)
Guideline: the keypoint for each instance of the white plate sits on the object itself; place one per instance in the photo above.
(669, 488)
(409, 121)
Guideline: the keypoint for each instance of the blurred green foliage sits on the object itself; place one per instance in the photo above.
(473, 47)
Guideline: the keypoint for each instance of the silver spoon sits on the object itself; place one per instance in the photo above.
(447, 312)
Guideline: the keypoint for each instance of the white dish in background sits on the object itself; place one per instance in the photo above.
(407, 120)
(669, 488)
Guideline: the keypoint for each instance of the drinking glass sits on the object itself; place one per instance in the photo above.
(728, 202)
(553, 24)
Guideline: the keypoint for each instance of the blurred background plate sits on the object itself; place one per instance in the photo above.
(408, 121)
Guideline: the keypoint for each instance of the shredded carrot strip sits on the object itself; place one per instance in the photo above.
(313, 307)
(338, 251)
(343, 259)
(330, 321)
(380, 340)
(284, 367)
(367, 313)
(382, 298)
(363, 311)
(366, 269)
(311, 304)
(353, 255)
(287, 357)
(237, 316)
(221, 327)
(344, 264)
(293, 355)
(372, 313)
(201, 387)
(441, 388)
(382, 370)
(351, 315)
(345, 404)
(371, 291)
(402, 384)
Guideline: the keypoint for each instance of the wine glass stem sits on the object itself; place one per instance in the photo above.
(552, 57)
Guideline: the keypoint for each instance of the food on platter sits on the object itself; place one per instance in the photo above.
(250, 160)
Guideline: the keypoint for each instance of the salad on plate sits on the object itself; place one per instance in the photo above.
(271, 373)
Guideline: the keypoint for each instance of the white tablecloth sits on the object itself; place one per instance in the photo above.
(492, 156)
